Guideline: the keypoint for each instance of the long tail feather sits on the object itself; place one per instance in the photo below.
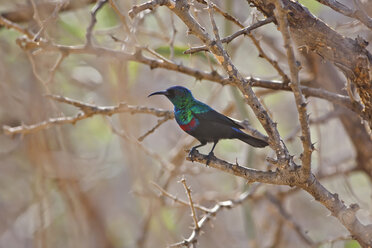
(250, 139)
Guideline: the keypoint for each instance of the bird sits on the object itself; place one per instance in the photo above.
(203, 122)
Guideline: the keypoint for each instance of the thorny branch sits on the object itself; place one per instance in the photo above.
(87, 110)
(193, 214)
(346, 215)
(295, 85)
(192, 239)
(254, 40)
(29, 44)
(295, 177)
(288, 174)
(349, 55)
(233, 36)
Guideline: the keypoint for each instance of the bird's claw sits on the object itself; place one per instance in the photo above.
(190, 154)
(209, 157)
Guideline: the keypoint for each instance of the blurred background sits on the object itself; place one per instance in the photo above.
(91, 184)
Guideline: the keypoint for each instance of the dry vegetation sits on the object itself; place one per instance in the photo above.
(87, 160)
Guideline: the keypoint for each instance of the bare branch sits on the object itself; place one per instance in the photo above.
(25, 12)
(198, 74)
(11, 25)
(349, 55)
(188, 192)
(192, 239)
(93, 13)
(295, 85)
(160, 122)
(88, 110)
(182, 202)
(231, 37)
(358, 14)
(346, 215)
(261, 52)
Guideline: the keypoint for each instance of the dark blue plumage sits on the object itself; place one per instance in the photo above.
(203, 122)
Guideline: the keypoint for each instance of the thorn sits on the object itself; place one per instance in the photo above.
(335, 195)
(312, 147)
(361, 42)
(355, 207)
(236, 163)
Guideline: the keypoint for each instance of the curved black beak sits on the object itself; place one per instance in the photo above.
(165, 93)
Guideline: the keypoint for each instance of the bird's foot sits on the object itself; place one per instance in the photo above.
(190, 153)
(209, 157)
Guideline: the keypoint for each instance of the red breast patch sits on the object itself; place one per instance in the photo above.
(189, 126)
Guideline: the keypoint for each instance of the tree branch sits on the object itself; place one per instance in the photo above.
(358, 14)
(346, 215)
(93, 20)
(231, 37)
(88, 110)
(349, 55)
(192, 239)
(295, 85)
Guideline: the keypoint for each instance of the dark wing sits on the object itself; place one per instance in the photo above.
(214, 116)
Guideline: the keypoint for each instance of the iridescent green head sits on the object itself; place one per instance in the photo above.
(180, 96)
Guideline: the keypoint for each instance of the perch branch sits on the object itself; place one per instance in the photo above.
(346, 215)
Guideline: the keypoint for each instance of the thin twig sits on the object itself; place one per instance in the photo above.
(261, 52)
(93, 21)
(176, 199)
(358, 14)
(192, 239)
(233, 36)
(193, 214)
(11, 25)
(198, 74)
(121, 133)
(88, 110)
(160, 122)
(121, 16)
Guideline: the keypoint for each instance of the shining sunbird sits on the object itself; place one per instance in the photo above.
(203, 122)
